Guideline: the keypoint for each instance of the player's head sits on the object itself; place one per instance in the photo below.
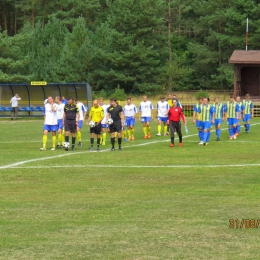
(216, 100)
(205, 100)
(170, 95)
(162, 98)
(16, 95)
(200, 99)
(101, 101)
(128, 101)
(231, 97)
(238, 99)
(95, 103)
(247, 96)
(50, 99)
(174, 102)
(63, 98)
(113, 102)
(70, 100)
(144, 98)
(57, 99)
(174, 96)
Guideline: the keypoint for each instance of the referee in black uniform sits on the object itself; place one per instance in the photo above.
(115, 111)
(71, 113)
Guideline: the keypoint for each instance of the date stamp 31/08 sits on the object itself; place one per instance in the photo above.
(244, 223)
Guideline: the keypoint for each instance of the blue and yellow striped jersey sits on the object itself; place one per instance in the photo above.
(195, 109)
(232, 109)
(248, 105)
(219, 109)
(206, 112)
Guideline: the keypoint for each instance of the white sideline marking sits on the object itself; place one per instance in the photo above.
(139, 166)
(16, 165)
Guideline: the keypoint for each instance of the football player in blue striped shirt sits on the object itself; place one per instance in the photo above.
(248, 112)
(241, 108)
(219, 113)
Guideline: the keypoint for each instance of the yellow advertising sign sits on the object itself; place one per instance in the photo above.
(38, 83)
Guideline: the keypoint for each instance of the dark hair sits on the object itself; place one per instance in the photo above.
(128, 98)
(112, 99)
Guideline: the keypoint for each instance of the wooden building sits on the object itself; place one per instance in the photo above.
(246, 72)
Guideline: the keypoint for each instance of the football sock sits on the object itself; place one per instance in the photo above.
(238, 129)
(129, 132)
(208, 136)
(115, 134)
(67, 139)
(59, 138)
(104, 137)
(92, 141)
(149, 129)
(230, 130)
(218, 133)
(201, 135)
(165, 129)
(79, 136)
(62, 138)
(44, 140)
(98, 142)
(159, 129)
(234, 130)
(119, 141)
(132, 130)
(113, 142)
(245, 127)
(73, 140)
(54, 141)
(205, 135)
(144, 130)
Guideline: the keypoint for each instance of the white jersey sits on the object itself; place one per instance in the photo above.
(105, 107)
(82, 110)
(162, 108)
(146, 108)
(50, 116)
(129, 110)
(60, 110)
(14, 101)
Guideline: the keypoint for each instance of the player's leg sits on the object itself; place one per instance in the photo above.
(144, 127)
(78, 133)
(98, 132)
(172, 130)
(148, 120)
(178, 130)
(54, 138)
(44, 138)
(112, 131)
(159, 127)
(165, 126)
(92, 136)
(118, 127)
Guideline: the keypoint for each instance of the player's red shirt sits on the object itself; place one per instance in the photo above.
(175, 114)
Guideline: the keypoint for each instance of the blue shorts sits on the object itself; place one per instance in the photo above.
(80, 123)
(50, 128)
(247, 117)
(129, 121)
(163, 119)
(232, 121)
(60, 125)
(198, 123)
(205, 125)
(218, 122)
(104, 125)
(146, 119)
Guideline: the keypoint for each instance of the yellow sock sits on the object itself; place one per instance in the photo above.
(129, 133)
(149, 129)
(165, 129)
(59, 138)
(104, 137)
(115, 134)
(132, 131)
(79, 136)
(144, 130)
(159, 129)
(44, 140)
(53, 141)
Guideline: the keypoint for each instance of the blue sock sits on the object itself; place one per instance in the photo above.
(205, 135)
(238, 129)
(208, 136)
(230, 130)
(248, 127)
(218, 133)
(201, 135)
(234, 130)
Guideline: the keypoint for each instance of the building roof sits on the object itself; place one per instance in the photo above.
(245, 57)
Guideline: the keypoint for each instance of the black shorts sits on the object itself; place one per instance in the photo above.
(70, 126)
(96, 130)
(116, 127)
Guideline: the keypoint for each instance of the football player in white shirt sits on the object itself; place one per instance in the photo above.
(162, 115)
(130, 111)
(146, 116)
(50, 123)
(82, 116)
(104, 125)
(60, 112)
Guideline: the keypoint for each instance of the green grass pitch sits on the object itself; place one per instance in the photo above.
(149, 201)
